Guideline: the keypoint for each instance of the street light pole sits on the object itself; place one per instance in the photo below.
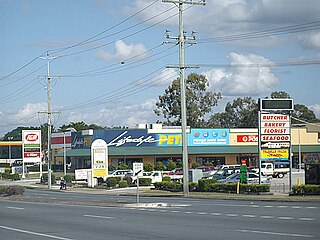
(10, 138)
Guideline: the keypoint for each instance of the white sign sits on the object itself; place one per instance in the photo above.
(31, 146)
(81, 174)
(275, 128)
(136, 168)
(99, 158)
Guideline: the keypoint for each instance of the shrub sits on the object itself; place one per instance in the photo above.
(122, 166)
(205, 184)
(123, 184)
(169, 186)
(69, 178)
(193, 187)
(308, 189)
(159, 166)
(171, 165)
(145, 181)
(11, 190)
(166, 179)
(111, 167)
(112, 181)
(14, 177)
(128, 179)
(195, 165)
(147, 167)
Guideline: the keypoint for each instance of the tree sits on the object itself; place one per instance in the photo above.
(301, 111)
(147, 167)
(159, 166)
(199, 102)
(80, 126)
(241, 113)
(171, 165)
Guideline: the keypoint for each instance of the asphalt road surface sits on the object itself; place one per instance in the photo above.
(184, 219)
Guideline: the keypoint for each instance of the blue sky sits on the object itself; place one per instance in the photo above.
(109, 57)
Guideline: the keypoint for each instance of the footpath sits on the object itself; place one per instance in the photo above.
(150, 192)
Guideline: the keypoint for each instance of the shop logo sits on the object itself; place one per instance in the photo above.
(205, 134)
(196, 134)
(31, 137)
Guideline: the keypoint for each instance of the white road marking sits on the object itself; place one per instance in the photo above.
(249, 216)
(34, 233)
(216, 214)
(16, 208)
(276, 233)
(307, 219)
(267, 217)
(96, 216)
(232, 215)
(285, 218)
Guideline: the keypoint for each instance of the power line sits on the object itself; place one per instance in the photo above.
(309, 26)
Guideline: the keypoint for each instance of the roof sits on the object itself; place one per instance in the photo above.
(161, 151)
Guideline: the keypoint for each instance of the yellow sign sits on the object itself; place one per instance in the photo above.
(100, 172)
(275, 154)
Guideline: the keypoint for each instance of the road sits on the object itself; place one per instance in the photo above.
(185, 219)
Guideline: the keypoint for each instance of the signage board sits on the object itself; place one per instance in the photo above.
(277, 104)
(137, 168)
(99, 158)
(275, 154)
(208, 137)
(31, 146)
(247, 138)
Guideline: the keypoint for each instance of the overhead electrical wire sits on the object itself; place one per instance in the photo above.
(309, 26)
(90, 39)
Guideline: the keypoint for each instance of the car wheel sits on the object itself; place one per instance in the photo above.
(280, 175)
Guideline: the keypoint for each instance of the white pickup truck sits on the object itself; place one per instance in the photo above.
(156, 176)
(275, 169)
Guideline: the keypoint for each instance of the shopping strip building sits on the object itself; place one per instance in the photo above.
(153, 143)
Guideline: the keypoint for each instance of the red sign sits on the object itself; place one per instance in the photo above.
(247, 138)
(31, 137)
(243, 162)
(31, 154)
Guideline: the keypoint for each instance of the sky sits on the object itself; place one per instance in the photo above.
(109, 59)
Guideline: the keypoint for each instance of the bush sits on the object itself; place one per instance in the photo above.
(111, 167)
(69, 178)
(166, 179)
(123, 166)
(147, 167)
(112, 181)
(169, 186)
(145, 181)
(128, 179)
(193, 187)
(308, 189)
(123, 184)
(159, 166)
(11, 190)
(171, 165)
(14, 177)
(205, 185)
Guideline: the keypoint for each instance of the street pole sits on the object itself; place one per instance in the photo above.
(299, 149)
(49, 116)
(64, 154)
(10, 138)
(182, 67)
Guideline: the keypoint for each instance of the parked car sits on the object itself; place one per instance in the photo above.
(120, 173)
(251, 178)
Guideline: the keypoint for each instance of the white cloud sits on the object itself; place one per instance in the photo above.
(229, 17)
(316, 109)
(164, 78)
(311, 40)
(123, 52)
(242, 81)
(28, 115)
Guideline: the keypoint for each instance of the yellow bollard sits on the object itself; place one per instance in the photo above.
(238, 188)
(299, 182)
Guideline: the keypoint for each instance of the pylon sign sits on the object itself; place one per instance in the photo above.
(99, 158)
(274, 129)
(31, 146)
